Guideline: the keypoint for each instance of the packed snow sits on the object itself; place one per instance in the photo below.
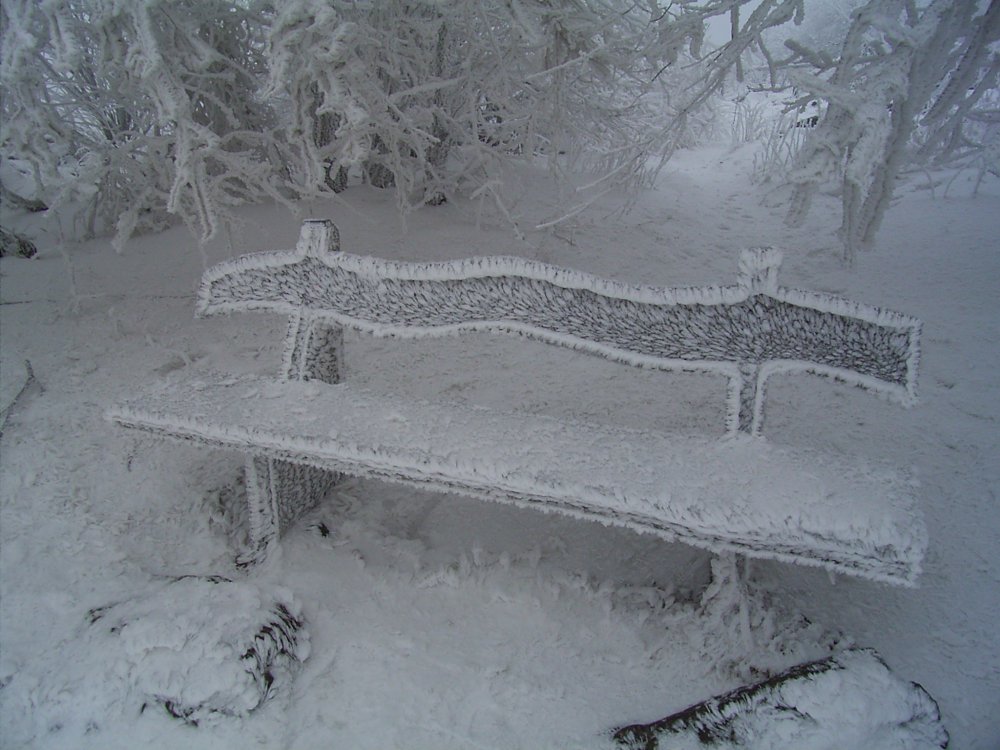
(439, 621)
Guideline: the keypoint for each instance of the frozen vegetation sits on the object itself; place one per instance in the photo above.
(626, 145)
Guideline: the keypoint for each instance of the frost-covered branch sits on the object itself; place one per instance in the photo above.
(908, 87)
(130, 113)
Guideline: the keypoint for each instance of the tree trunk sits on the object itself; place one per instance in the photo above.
(378, 174)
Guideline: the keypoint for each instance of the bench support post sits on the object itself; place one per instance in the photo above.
(729, 596)
(313, 350)
(280, 492)
(750, 414)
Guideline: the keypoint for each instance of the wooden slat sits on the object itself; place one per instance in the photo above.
(737, 494)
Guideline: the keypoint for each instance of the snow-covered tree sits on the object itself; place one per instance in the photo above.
(433, 96)
(140, 110)
(136, 110)
(907, 86)
(902, 83)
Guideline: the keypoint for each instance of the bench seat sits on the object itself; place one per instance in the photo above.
(738, 493)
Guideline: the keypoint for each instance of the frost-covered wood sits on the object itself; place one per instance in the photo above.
(746, 332)
(802, 707)
(279, 491)
(740, 494)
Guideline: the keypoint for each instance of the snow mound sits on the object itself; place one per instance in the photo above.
(198, 646)
(850, 699)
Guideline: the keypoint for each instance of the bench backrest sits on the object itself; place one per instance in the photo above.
(745, 332)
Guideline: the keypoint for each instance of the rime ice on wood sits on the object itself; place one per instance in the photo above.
(739, 495)
(742, 495)
(745, 332)
(803, 707)
(279, 491)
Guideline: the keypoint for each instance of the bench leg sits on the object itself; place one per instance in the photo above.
(279, 493)
(728, 595)
(748, 418)
(313, 350)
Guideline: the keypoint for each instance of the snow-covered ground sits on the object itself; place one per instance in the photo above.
(438, 621)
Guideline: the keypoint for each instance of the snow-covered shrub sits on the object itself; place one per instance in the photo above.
(900, 84)
(750, 121)
(132, 111)
(197, 647)
(434, 97)
(778, 149)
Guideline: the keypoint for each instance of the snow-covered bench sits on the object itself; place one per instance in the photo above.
(736, 494)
